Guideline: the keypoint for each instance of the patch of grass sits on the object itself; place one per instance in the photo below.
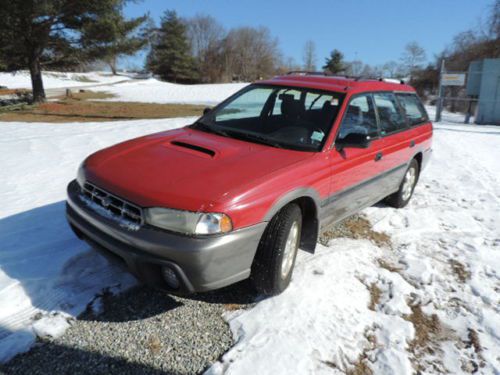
(86, 110)
(13, 91)
(86, 95)
(375, 294)
(356, 227)
(360, 366)
(459, 270)
(426, 327)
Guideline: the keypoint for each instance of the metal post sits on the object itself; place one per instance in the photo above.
(439, 106)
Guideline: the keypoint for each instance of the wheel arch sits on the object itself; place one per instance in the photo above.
(309, 202)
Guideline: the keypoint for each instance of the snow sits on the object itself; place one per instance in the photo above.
(323, 322)
(154, 91)
(22, 80)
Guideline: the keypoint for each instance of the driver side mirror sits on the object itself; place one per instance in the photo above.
(354, 140)
(206, 110)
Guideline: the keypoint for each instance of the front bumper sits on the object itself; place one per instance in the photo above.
(200, 263)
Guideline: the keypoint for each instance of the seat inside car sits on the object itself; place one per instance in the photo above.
(291, 108)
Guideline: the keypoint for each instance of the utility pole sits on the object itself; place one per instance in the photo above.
(439, 106)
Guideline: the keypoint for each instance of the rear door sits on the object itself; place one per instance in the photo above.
(354, 170)
(394, 142)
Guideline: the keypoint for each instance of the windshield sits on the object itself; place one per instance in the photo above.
(285, 117)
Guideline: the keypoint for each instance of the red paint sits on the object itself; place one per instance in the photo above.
(244, 179)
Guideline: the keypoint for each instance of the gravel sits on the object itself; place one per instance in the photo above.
(141, 331)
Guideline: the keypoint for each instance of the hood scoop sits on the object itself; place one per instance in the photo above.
(194, 149)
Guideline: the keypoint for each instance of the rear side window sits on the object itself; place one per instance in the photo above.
(359, 118)
(414, 110)
(390, 117)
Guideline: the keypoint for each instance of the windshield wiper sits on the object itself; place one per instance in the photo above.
(258, 138)
(208, 128)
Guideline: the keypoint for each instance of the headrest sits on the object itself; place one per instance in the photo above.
(291, 107)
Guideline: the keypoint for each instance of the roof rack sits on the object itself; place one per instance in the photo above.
(328, 74)
(307, 73)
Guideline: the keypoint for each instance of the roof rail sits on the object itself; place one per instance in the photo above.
(355, 78)
(308, 73)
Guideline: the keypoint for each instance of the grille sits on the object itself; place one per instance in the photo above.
(113, 204)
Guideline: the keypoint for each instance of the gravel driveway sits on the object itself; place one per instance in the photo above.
(142, 331)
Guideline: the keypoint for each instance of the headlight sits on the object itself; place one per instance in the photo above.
(80, 175)
(188, 222)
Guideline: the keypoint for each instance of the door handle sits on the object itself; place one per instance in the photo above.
(412, 144)
(378, 156)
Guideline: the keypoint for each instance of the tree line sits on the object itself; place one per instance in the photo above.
(66, 34)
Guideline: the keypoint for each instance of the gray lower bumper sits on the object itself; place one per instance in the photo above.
(201, 263)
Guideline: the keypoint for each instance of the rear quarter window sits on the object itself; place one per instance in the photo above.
(413, 109)
(390, 116)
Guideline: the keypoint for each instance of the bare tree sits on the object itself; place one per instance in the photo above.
(250, 54)
(354, 68)
(391, 69)
(204, 32)
(413, 57)
(309, 57)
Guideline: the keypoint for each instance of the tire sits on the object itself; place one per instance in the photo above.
(401, 198)
(273, 264)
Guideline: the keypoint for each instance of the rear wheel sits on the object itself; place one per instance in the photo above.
(275, 258)
(405, 192)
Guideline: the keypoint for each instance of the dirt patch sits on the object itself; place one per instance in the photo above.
(85, 111)
(459, 270)
(356, 227)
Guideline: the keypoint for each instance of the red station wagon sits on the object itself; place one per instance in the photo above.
(235, 194)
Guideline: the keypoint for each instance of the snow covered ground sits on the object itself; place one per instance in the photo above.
(154, 91)
(444, 260)
(51, 80)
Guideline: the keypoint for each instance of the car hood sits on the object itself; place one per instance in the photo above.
(186, 169)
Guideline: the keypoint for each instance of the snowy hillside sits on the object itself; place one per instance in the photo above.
(22, 80)
(154, 91)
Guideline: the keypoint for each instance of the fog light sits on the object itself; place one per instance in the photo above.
(170, 277)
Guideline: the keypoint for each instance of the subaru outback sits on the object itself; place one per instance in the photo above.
(236, 194)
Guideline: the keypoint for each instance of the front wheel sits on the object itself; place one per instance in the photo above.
(401, 198)
(275, 258)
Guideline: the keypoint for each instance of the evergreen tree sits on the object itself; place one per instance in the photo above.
(170, 56)
(335, 63)
(114, 36)
(38, 34)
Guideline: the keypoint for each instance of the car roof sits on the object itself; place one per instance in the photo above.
(342, 84)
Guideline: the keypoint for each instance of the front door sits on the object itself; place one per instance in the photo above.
(354, 170)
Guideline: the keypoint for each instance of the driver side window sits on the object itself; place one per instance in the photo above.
(359, 118)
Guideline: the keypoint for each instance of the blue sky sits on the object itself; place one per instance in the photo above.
(373, 31)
